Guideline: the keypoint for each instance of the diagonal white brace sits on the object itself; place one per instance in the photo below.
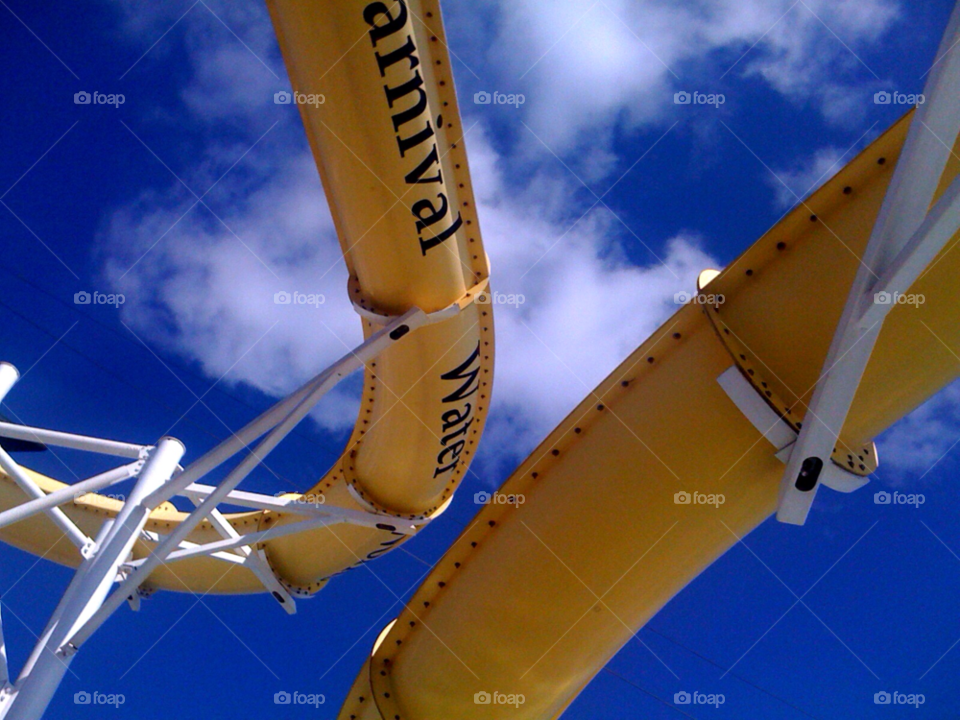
(4, 672)
(277, 422)
(68, 493)
(253, 560)
(937, 230)
(933, 132)
(70, 440)
(297, 506)
(182, 553)
(8, 378)
(26, 483)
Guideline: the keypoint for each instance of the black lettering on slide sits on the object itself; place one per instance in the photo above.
(467, 374)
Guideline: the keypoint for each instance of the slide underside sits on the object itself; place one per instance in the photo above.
(536, 599)
(503, 610)
(388, 142)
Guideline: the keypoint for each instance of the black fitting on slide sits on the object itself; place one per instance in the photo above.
(809, 474)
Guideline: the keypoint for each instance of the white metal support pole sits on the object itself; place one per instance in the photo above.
(930, 141)
(937, 230)
(26, 483)
(230, 543)
(40, 679)
(314, 389)
(75, 582)
(295, 506)
(70, 440)
(68, 493)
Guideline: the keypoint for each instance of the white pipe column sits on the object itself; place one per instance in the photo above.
(68, 493)
(40, 679)
(65, 600)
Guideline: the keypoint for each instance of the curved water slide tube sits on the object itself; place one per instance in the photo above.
(388, 141)
(535, 599)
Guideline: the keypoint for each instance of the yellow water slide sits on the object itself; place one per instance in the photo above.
(534, 599)
(388, 141)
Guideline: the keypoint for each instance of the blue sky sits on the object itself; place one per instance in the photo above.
(599, 198)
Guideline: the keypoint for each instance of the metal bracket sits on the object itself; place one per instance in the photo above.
(855, 458)
(475, 294)
(778, 432)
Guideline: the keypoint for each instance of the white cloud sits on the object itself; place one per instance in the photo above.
(588, 69)
(797, 183)
(572, 330)
(235, 61)
(924, 438)
(208, 295)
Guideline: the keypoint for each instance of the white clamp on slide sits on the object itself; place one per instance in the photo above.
(778, 432)
(477, 293)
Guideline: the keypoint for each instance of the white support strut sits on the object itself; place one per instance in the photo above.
(87, 602)
(39, 680)
(903, 240)
(69, 493)
(297, 506)
(8, 378)
(305, 398)
(252, 559)
(936, 231)
(69, 440)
